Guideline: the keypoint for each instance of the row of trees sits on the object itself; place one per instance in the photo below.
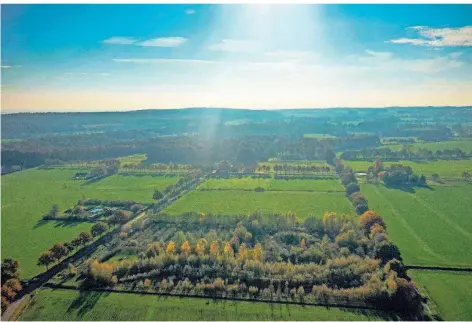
(353, 191)
(60, 250)
(11, 286)
(407, 152)
(293, 169)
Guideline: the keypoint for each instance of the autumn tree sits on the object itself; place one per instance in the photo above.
(58, 251)
(98, 229)
(352, 188)
(170, 250)
(243, 252)
(214, 248)
(303, 243)
(10, 269)
(228, 250)
(185, 248)
(46, 258)
(200, 249)
(85, 237)
(258, 253)
(368, 219)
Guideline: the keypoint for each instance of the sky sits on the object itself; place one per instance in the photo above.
(260, 56)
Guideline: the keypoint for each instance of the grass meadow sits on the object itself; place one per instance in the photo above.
(302, 203)
(274, 184)
(430, 226)
(29, 194)
(464, 145)
(445, 168)
(68, 305)
(451, 292)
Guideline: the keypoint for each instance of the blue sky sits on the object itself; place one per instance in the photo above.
(124, 57)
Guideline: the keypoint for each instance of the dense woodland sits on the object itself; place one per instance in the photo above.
(197, 136)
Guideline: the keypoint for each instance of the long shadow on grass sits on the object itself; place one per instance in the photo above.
(67, 223)
(40, 223)
(408, 188)
(92, 181)
(382, 315)
(84, 302)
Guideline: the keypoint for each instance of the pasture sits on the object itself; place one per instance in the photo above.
(445, 168)
(430, 226)
(464, 145)
(450, 291)
(303, 204)
(274, 184)
(318, 136)
(28, 195)
(60, 305)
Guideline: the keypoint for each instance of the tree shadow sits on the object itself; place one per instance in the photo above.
(40, 223)
(408, 188)
(84, 302)
(67, 223)
(92, 181)
(381, 315)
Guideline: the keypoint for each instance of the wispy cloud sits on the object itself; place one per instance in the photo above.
(86, 73)
(163, 42)
(380, 54)
(10, 66)
(234, 45)
(190, 11)
(163, 60)
(155, 42)
(438, 37)
(120, 41)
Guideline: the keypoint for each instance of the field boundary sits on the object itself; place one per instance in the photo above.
(270, 190)
(236, 299)
(439, 268)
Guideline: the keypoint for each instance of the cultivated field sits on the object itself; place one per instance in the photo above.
(301, 203)
(28, 195)
(450, 291)
(445, 168)
(430, 226)
(274, 184)
(60, 305)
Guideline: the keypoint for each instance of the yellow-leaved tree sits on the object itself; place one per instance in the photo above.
(214, 249)
(170, 250)
(258, 253)
(242, 254)
(185, 248)
(228, 250)
(201, 246)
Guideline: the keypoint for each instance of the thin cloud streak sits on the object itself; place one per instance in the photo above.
(438, 37)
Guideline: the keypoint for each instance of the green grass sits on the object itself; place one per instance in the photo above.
(464, 145)
(132, 159)
(123, 255)
(65, 305)
(274, 184)
(304, 184)
(303, 204)
(243, 183)
(431, 227)
(450, 291)
(445, 168)
(120, 187)
(318, 136)
(27, 195)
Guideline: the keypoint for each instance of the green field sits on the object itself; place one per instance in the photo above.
(464, 145)
(29, 194)
(445, 168)
(431, 227)
(120, 187)
(295, 162)
(132, 159)
(274, 184)
(65, 305)
(301, 203)
(450, 291)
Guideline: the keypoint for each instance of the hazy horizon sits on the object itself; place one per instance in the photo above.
(64, 58)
